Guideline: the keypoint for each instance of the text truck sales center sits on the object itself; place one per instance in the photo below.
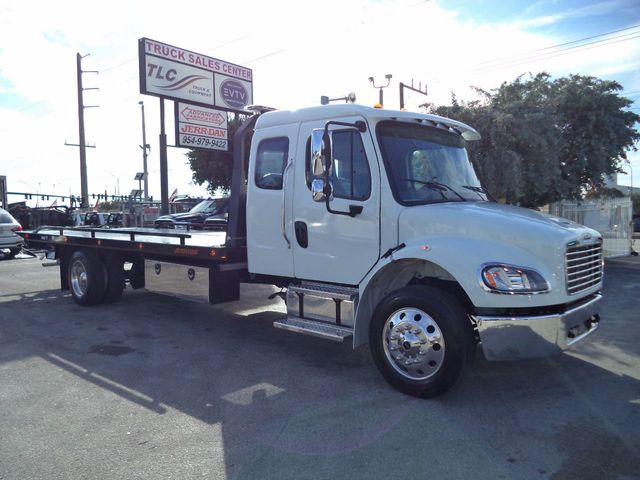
(195, 79)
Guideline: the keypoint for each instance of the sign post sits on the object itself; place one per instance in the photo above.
(3, 192)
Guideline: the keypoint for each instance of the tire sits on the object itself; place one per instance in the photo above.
(87, 278)
(421, 340)
(115, 279)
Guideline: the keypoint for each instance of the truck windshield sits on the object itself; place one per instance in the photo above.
(427, 165)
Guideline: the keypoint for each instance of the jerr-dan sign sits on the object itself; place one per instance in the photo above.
(201, 127)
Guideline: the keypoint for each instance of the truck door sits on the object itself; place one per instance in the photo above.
(329, 247)
(269, 197)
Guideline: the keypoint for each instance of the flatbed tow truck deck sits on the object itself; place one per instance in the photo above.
(97, 263)
(209, 246)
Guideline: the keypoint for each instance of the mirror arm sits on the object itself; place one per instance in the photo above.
(360, 125)
(354, 210)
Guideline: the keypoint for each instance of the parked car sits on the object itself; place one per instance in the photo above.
(9, 240)
(208, 214)
(636, 227)
(34, 217)
(215, 222)
(115, 219)
(183, 203)
(95, 219)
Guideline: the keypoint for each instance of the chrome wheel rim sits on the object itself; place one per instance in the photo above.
(79, 278)
(413, 343)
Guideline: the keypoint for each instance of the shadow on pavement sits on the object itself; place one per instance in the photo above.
(292, 406)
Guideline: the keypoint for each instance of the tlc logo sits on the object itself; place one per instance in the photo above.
(170, 74)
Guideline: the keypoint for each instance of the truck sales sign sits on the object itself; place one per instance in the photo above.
(179, 74)
(200, 127)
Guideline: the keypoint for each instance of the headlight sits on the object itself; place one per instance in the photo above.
(511, 279)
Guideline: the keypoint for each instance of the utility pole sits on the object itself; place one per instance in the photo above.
(417, 90)
(84, 188)
(144, 148)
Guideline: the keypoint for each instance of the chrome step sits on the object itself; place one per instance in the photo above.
(337, 333)
(323, 290)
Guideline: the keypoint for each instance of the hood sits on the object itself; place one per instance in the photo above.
(183, 217)
(527, 229)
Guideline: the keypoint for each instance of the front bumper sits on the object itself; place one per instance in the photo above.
(515, 338)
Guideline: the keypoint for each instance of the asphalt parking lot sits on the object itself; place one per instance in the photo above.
(157, 388)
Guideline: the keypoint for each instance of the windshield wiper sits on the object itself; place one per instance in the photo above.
(478, 189)
(439, 187)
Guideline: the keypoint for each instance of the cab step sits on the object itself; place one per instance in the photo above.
(323, 290)
(325, 330)
(323, 302)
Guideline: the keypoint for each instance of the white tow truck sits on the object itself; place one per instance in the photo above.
(377, 226)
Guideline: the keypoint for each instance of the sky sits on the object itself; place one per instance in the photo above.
(297, 50)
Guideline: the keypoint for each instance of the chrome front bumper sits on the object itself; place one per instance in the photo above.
(514, 338)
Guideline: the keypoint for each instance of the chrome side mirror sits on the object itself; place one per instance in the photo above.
(320, 150)
(321, 161)
(320, 190)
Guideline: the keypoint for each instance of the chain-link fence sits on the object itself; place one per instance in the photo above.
(610, 216)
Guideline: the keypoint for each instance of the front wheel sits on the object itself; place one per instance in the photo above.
(421, 340)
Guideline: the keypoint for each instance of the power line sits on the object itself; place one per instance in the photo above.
(277, 52)
(560, 52)
(559, 45)
(104, 70)
(209, 49)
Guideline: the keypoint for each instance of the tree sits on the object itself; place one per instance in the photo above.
(596, 129)
(215, 167)
(545, 140)
(110, 206)
(604, 192)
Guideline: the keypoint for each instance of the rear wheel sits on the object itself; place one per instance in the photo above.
(421, 340)
(115, 279)
(87, 278)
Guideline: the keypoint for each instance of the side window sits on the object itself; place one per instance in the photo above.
(270, 162)
(351, 178)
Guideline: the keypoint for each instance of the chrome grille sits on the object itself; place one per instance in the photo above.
(584, 267)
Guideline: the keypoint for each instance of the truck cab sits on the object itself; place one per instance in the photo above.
(378, 226)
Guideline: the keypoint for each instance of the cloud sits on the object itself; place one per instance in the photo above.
(598, 9)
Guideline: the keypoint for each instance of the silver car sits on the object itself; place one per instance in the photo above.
(9, 240)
